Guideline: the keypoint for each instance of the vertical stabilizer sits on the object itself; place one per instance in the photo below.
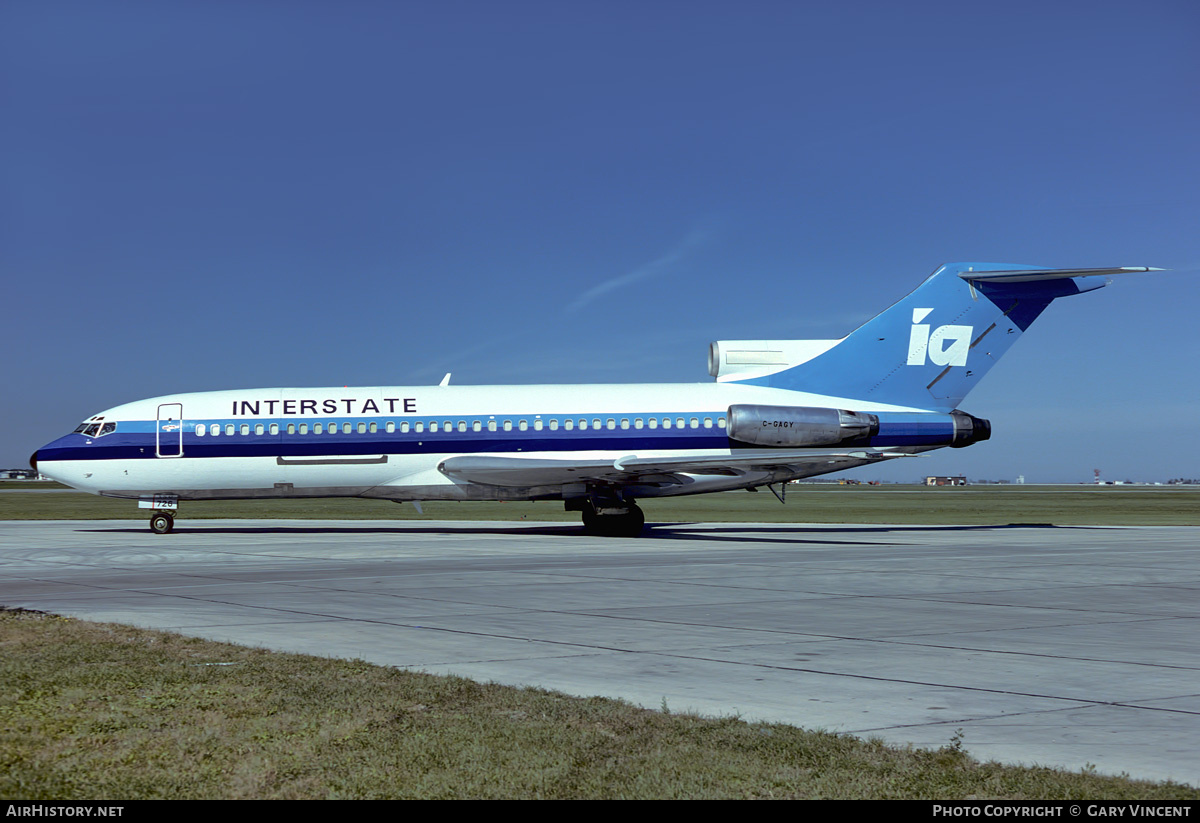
(931, 348)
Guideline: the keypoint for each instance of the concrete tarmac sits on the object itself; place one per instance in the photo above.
(1070, 646)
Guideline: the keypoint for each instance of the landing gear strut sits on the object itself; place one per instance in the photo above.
(612, 519)
(162, 523)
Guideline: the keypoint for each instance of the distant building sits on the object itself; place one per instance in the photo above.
(946, 481)
(19, 474)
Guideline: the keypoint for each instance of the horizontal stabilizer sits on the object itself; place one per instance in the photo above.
(1032, 275)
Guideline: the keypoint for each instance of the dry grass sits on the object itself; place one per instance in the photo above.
(95, 711)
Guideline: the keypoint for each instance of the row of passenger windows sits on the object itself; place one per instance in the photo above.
(405, 426)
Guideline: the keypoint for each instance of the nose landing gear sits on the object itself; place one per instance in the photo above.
(162, 523)
(162, 511)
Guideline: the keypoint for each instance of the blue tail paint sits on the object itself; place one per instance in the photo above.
(931, 348)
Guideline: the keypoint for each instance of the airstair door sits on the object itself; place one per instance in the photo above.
(168, 441)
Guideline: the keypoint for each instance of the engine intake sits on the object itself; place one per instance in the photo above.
(799, 426)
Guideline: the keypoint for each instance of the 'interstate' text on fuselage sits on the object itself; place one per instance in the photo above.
(345, 405)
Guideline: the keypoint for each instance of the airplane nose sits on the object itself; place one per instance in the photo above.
(33, 461)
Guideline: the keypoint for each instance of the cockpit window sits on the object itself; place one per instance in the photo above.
(95, 429)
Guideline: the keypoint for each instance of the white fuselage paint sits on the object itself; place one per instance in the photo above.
(331, 469)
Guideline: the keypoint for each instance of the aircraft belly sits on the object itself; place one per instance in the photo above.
(225, 477)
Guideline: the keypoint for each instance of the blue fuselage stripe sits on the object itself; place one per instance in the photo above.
(139, 439)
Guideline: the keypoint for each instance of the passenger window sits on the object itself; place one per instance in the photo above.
(476, 426)
(508, 425)
(245, 428)
(553, 424)
(462, 425)
(318, 428)
(491, 425)
(433, 425)
(373, 428)
(666, 422)
(625, 423)
(523, 425)
(274, 428)
(708, 422)
(291, 428)
(420, 426)
(568, 424)
(653, 423)
(390, 427)
(637, 422)
(304, 428)
(537, 425)
(200, 430)
(229, 428)
(259, 428)
(679, 422)
(595, 422)
(695, 422)
(404, 427)
(333, 427)
(361, 427)
(720, 422)
(612, 424)
(346, 428)
(214, 429)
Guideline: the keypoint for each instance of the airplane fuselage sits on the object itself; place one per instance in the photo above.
(388, 442)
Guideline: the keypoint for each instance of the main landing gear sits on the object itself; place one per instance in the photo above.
(615, 518)
(162, 522)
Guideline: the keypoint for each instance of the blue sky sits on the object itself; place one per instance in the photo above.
(221, 195)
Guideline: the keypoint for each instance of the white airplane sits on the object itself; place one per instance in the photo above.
(778, 410)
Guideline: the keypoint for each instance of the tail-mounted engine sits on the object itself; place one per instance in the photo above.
(799, 426)
(969, 429)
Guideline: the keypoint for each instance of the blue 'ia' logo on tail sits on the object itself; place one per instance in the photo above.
(945, 346)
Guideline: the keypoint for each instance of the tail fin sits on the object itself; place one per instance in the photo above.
(931, 348)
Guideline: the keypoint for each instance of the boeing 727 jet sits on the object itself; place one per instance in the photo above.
(778, 410)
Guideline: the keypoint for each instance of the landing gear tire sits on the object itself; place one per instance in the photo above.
(623, 524)
(591, 520)
(630, 524)
(162, 523)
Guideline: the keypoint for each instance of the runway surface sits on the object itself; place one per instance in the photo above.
(1061, 646)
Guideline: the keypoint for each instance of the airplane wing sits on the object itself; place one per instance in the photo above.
(535, 471)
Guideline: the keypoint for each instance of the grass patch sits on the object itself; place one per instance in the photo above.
(99, 711)
(969, 505)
